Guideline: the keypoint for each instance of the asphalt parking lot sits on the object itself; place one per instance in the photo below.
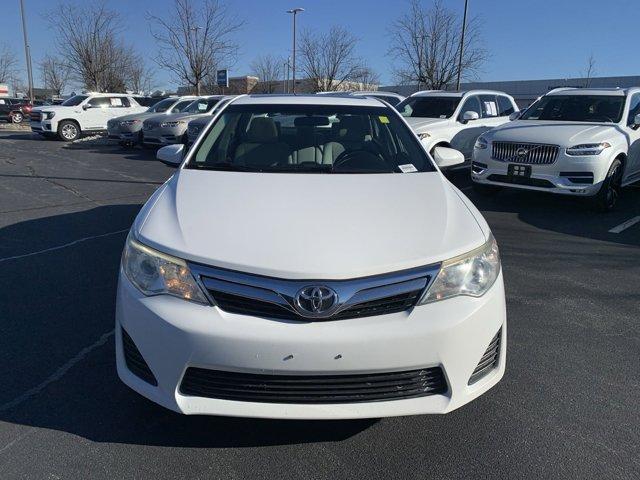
(568, 406)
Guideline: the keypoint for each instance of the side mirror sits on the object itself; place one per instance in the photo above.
(447, 157)
(514, 116)
(171, 154)
(469, 115)
(86, 106)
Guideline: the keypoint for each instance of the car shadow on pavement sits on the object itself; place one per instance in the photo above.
(56, 334)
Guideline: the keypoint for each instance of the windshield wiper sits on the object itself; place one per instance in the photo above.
(225, 167)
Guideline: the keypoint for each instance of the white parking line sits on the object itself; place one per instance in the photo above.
(80, 240)
(623, 226)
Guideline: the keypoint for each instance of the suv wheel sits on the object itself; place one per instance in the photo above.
(17, 117)
(68, 131)
(607, 198)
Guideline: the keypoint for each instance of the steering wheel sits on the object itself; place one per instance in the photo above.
(359, 155)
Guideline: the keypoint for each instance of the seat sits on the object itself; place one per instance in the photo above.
(261, 147)
(308, 151)
(351, 133)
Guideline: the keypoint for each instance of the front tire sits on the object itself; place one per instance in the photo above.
(68, 131)
(607, 197)
(17, 117)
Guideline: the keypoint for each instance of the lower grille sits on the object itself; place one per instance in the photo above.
(134, 360)
(533, 153)
(585, 178)
(489, 360)
(313, 388)
(532, 182)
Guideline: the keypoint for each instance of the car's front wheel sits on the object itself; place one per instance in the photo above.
(17, 117)
(68, 131)
(607, 197)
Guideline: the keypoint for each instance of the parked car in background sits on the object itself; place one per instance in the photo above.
(197, 125)
(128, 128)
(232, 302)
(572, 141)
(80, 114)
(148, 101)
(455, 119)
(391, 98)
(14, 110)
(169, 129)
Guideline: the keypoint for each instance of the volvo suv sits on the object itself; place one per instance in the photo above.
(572, 141)
(309, 260)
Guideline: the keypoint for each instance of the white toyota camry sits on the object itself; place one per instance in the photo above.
(309, 260)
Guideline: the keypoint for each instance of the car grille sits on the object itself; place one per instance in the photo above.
(134, 360)
(268, 297)
(35, 117)
(370, 387)
(150, 125)
(532, 153)
(489, 360)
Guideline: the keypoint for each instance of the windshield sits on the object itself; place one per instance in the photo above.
(577, 108)
(162, 105)
(75, 100)
(181, 106)
(428, 107)
(202, 105)
(310, 139)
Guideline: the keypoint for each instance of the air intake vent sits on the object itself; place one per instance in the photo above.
(135, 362)
(371, 387)
(489, 360)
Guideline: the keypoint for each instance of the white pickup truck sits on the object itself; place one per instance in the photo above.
(80, 114)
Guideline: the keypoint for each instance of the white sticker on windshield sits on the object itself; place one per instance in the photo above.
(407, 168)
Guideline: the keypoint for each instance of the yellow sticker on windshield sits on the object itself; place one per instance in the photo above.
(383, 119)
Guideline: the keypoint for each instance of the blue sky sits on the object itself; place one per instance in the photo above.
(527, 39)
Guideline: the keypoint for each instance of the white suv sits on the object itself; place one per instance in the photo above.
(81, 114)
(455, 119)
(572, 141)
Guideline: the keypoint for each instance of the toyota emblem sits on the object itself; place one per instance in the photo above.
(316, 301)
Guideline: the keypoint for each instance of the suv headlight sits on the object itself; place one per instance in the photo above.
(470, 274)
(49, 115)
(128, 123)
(156, 273)
(587, 149)
(172, 124)
(481, 144)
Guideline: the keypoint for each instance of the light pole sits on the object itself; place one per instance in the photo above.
(295, 12)
(464, 27)
(287, 66)
(27, 52)
(196, 58)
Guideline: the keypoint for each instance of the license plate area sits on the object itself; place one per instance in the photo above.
(515, 171)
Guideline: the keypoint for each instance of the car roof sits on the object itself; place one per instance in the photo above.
(310, 99)
(593, 91)
(457, 94)
(100, 94)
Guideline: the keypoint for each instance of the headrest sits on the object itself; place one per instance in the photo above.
(351, 127)
(262, 130)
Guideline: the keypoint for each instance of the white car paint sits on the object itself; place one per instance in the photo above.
(622, 136)
(368, 224)
(85, 115)
(455, 131)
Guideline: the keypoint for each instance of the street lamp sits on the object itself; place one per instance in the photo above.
(27, 52)
(464, 27)
(197, 57)
(295, 12)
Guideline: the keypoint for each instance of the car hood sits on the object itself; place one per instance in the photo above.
(564, 134)
(310, 226)
(139, 116)
(54, 108)
(421, 123)
(171, 117)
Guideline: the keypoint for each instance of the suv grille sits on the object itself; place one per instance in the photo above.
(35, 117)
(533, 153)
(248, 387)
(150, 125)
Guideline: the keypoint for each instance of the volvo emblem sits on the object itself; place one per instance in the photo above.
(521, 152)
(316, 301)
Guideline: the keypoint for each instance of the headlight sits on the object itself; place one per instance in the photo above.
(49, 115)
(481, 144)
(155, 273)
(587, 149)
(470, 274)
(172, 124)
(128, 123)
(424, 135)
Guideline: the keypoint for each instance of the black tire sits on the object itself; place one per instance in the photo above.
(607, 197)
(17, 117)
(68, 131)
(486, 190)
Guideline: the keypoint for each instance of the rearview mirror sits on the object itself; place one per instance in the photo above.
(469, 115)
(171, 154)
(514, 116)
(447, 157)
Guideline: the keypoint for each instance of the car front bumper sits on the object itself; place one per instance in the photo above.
(172, 335)
(44, 126)
(124, 134)
(568, 175)
(164, 135)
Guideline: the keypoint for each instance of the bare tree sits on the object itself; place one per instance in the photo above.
(140, 77)
(590, 71)
(54, 73)
(426, 45)
(367, 79)
(194, 42)
(89, 43)
(329, 59)
(269, 69)
(8, 63)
